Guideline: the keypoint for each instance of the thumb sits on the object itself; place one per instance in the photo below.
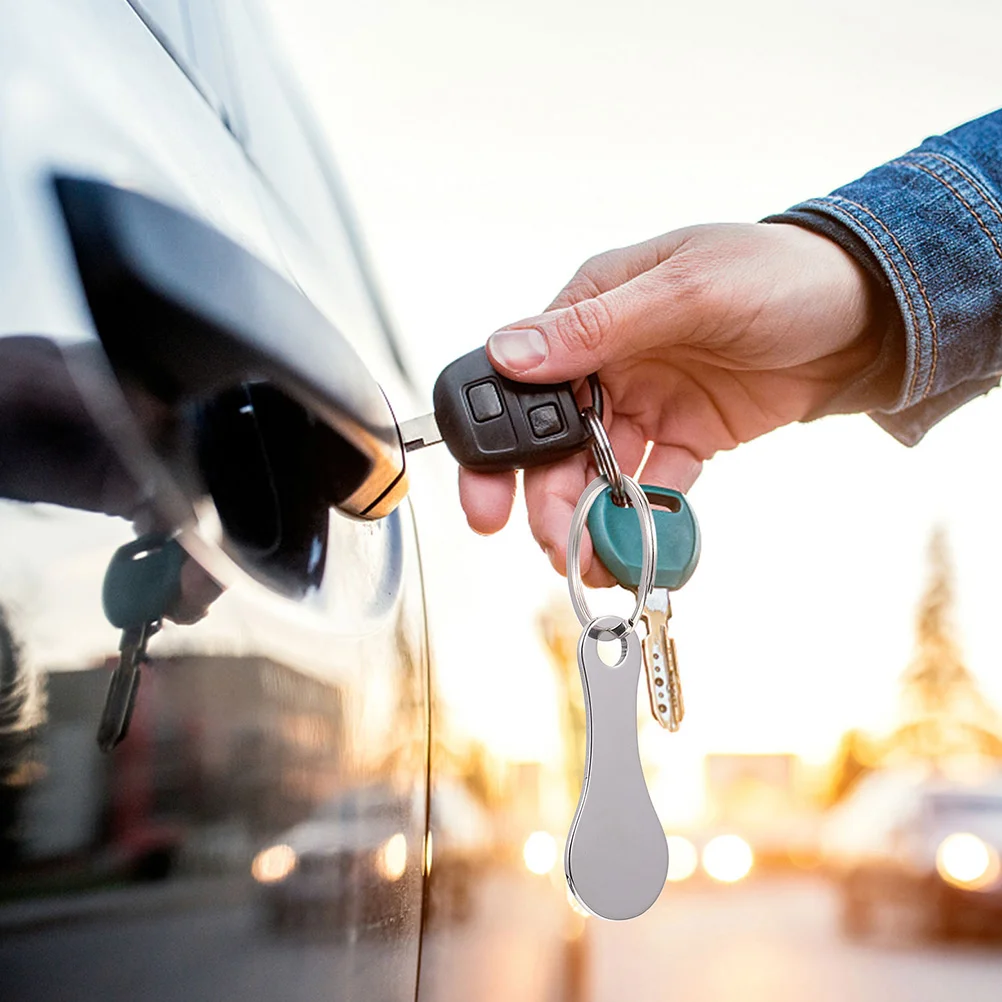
(571, 342)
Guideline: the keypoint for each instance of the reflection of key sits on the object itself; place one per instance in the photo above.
(616, 540)
(141, 582)
(124, 685)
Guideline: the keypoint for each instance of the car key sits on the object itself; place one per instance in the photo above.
(491, 423)
(142, 581)
(616, 542)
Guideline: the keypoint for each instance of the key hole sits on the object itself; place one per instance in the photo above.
(611, 652)
(656, 501)
(668, 503)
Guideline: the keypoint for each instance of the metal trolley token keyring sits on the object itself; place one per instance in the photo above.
(616, 859)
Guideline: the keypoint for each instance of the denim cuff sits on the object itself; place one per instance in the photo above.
(933, 222)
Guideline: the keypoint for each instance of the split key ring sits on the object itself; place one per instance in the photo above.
(649, 560)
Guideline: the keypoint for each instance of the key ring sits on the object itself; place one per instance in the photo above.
(601, 447)
(597, 400)
(648, 566)
(605, 458)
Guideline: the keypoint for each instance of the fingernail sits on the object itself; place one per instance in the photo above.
(518, 350)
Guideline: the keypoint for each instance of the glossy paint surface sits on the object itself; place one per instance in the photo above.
(272, 728)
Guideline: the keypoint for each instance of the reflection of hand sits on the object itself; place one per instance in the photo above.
(197, 592)
(703, 338)
(51, 451)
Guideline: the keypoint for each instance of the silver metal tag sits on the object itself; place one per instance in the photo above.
(616, 858)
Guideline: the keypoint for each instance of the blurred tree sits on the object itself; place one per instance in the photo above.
(467, 760)
(857, 755)
(561, 632)
(945, 714)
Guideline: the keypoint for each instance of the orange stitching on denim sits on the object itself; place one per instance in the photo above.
(969, 178)
(921, 288)
(970, 208)
(878, 248)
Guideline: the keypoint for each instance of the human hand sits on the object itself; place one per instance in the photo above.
(703, 338)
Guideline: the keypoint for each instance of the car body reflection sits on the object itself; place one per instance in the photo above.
(350, 852)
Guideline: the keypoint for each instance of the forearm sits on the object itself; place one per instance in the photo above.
(928, 225)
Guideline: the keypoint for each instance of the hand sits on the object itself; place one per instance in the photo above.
(703, 338)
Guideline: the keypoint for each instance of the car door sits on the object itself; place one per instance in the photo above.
(261, 829)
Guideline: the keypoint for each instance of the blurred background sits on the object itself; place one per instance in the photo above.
(843, 618)
(833, 800)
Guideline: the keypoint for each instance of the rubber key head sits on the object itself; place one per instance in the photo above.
(142, 581)
(616, 538)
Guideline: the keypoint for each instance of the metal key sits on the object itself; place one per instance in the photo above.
(617, 544)
(663, 683)
(491, 423)
(141, 583)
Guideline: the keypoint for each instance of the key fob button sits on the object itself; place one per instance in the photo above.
(545, 421)
(485, 401)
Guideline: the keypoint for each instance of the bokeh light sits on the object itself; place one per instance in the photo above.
(966, 861)
(728, 858)
(392, 859)
(682, 858)
(274, 864)
(540, 852)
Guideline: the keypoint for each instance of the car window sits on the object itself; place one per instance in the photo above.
(208, 54)
(167, 19)
(301, 194)
(190, 31)
(945, 804)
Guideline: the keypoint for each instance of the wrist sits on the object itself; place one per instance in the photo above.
(867, 359)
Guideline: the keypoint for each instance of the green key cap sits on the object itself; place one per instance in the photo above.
(615, 536)
(142, 582)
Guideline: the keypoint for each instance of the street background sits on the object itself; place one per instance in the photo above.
(489, 151)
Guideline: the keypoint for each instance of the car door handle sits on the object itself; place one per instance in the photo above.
(191, 313)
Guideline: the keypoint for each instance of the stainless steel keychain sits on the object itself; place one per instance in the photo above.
(616, 859)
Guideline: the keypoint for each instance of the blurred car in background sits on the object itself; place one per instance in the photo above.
(191, 341)
(311, 872)
(310, 875)
(925, 847)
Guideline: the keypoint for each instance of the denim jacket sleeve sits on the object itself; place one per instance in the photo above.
(932, 220)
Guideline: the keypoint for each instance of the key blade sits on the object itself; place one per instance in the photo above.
(122, 688)
(657, 677)
(675, 700)
(659, 657)
(118, 706)
(657, 608)
(420, 432)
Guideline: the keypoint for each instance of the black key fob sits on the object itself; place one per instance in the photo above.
(491, 423)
